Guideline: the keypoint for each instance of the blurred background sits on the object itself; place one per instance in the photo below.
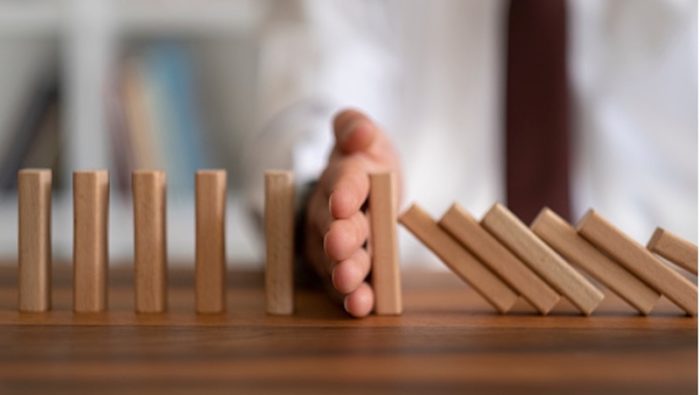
(121, 85)
(184, 84)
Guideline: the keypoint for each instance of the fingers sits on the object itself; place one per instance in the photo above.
(354, 131)
(346, 236)
(348, 189)
(350, 273)
(360, 302)
(315, 229)
(339, 226)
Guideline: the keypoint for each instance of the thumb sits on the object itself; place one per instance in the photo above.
(353, 131)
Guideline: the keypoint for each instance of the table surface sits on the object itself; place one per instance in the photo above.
(447, 340)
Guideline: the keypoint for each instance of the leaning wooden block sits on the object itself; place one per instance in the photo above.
(562, 237)
(543, 260)
(463, 227)
(90, 224)
(386, 277)
(279, 240)
(150, 255)
(459, 260)
(677, 250)
(210, 241)
(34, 239)
(639, 261)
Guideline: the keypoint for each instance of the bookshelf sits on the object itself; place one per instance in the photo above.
(89, 34)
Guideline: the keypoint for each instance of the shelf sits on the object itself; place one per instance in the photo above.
(89, 32)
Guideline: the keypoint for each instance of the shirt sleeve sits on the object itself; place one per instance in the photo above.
(314, 58)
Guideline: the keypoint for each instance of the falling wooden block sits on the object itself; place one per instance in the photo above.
(543, 260)
(562, 237)
(90, 224)
(677, 250)
(384, 247)
(279, 240)
(150, 256)
(463, 227)
(210, 243)
(34, 239)
(459, 260)
(639, 261)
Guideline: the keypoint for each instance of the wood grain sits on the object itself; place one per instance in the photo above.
(279, 241)
(447, 341)
(674, 248)
(34, 239)
(90, 241)
(463, 227)
(459, 260)
(150, 250)
(639, 261)
(210, 241)
(562, 237)
(384, 246)
(543, 260)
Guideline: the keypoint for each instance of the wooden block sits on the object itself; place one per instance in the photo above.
(150, 255)
(279, 239)
(90, 225)
(384, 247)
(210, 245)
(677, 250)
(463, 227)
(562, 237)
(639, 261)
(543, 260)
(459, 260)
(34, 239)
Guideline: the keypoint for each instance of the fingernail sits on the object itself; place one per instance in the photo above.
(345, 304)
(348, 131)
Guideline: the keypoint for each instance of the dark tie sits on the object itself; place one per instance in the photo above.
(537, 108)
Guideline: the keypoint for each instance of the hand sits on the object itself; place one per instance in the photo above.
(336, 225)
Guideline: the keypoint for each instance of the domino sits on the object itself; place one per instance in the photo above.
(279, 237)
(459, 260)
(150, 259)
(465, 229)
(210, 241)
(34, 239)
(677, 250)
(384, 248)
(90, 224)
(543, 260)
(562, 237)
(639, 261)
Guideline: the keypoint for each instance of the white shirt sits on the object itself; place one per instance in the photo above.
(431, 73)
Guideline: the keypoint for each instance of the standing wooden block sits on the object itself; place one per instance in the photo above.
(463, 227)
(543, 260)
(279, 240)
(639, 261)
(459, 260)
(677, 250)
(34, 241)
(562, 237)
(210, 245)
(90, 223)
(150, 256)
(386, 276)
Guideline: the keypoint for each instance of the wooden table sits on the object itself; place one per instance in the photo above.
(448, 340)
